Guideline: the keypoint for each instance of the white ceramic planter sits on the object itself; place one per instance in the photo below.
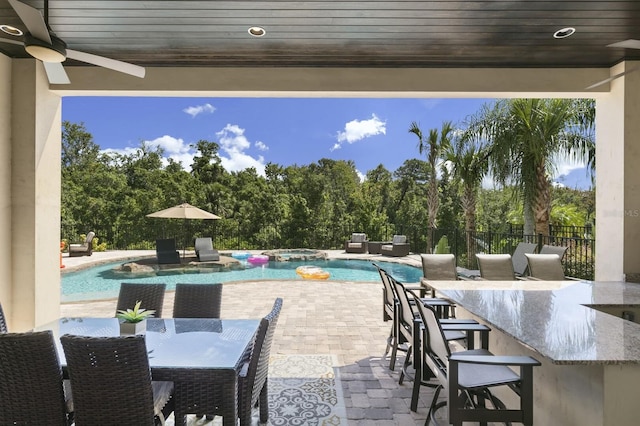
(131, 328)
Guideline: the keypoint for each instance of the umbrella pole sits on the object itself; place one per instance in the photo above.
(184, 241)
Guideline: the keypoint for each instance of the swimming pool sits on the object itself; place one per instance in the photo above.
(101, 282)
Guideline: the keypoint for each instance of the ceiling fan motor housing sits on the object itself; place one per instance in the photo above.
(54, 52)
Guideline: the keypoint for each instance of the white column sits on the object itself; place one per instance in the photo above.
(618, 178)
(35, 197)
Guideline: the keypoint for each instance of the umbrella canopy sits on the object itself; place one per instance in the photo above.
(184, 211)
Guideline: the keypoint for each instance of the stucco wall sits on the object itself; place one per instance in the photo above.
(5, 186)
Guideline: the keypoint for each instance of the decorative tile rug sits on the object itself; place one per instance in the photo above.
(304, 390)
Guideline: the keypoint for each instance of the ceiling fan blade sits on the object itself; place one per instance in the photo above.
(626, 44)
(56, 73)
(33, 20)
(613, 77)
(101, 61)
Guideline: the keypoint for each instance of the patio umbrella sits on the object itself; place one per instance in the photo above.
(184, 211)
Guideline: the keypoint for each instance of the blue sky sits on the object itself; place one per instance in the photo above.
(254, 131)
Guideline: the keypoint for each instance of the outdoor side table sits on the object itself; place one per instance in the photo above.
(375, 247)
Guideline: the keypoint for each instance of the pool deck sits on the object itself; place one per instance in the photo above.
(339, 318)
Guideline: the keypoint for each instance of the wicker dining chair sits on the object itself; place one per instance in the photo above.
(197, 300)
(31, 391)
(111, 381)
(151, 295)
(253, 379)
(3, 321)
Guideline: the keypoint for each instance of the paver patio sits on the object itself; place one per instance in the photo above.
(318, 317)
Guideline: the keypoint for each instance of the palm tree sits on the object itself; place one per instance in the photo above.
(434, 146)
(468, 162)
(527, 137)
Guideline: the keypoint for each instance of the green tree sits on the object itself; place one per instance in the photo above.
(527, 138)
(468, 161)
(433, 146)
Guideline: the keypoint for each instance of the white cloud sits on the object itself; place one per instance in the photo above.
(173, 148)
(233, 142)
(170, 145)
(232, 138)
(193, 111)
(357, 130)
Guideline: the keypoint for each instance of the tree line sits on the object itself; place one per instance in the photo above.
(516, 142)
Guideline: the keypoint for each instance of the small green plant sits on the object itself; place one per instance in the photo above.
(136, 314)
(443, 245)
(98, 247)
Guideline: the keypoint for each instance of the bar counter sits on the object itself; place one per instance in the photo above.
(590, 355)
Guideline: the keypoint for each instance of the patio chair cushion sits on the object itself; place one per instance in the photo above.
(358, 238)
(399, 239)
(354, 245)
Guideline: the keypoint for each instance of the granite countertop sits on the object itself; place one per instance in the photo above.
(556, 318)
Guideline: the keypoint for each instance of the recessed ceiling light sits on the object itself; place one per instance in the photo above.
(564, 32)
(257, 31)
(11, 30)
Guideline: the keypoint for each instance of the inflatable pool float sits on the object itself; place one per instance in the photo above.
(240, 255)
(312, 273)
(258, 259)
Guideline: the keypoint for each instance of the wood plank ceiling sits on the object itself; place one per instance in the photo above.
(356, 33)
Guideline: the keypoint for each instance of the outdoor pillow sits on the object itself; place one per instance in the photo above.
(399, 239)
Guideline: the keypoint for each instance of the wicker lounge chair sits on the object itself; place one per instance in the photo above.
(205, 251)
(197, 300)
(398, 247)
(151, 296)
(84, 249)
(111, 381)
(166, 251)
(357, 244)
(31, 387)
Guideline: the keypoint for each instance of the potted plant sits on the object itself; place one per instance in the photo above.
(134, 321)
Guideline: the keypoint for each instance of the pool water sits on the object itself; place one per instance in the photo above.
(101, 282)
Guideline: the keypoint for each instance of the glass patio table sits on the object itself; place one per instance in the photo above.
(201, 356)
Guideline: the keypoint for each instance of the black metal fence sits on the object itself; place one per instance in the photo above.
(227, 235)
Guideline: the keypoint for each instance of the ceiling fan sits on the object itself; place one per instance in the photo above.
(626, 44)
(42, 43)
